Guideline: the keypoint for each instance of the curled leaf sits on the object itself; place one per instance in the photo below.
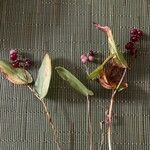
(104, 82)
(15, 75)
(118, 56)
(42, 82)
(73, 81)
(111, 75)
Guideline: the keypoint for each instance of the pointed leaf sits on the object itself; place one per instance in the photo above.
(44, 76)
(118, 56)
(73, 81)
(15, 75)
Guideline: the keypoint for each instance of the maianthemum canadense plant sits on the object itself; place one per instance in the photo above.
(111, 74)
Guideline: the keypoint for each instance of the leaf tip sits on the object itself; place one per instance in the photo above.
(90, 93)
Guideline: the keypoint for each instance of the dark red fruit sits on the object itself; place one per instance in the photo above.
(140, 33)
(28, 63)
(15, 64)
(129, 46)
(136, 32)
(135, 38)
(13, 55)
(133, 32)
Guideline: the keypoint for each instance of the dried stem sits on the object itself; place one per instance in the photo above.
(110, 109)
(50, 122)
(89, 124)
(102, 137)
(86, 69)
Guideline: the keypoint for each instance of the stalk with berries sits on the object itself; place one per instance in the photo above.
(111, 74)
(135, 36)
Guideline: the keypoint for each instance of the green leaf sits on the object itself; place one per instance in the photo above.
(97, 72)
(42, 82)
(15, 75)
(118, 56)
(73, 81)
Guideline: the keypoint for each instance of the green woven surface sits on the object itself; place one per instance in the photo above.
(64, 29)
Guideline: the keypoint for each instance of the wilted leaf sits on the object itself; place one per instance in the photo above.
(44, 76)
(111, 76)
(73, 81)
(15, 75)
(118, 56)
(104, 82)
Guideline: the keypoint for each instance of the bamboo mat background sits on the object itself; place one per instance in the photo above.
(64, 29)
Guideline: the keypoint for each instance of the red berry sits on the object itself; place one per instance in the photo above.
(135, 38)
(15, 64)
(129, 45)
(140, 33)
(28, 63)
(134, 31)
(13, 55)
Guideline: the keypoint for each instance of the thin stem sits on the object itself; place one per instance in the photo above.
(51, 124)
(89, 123)
(86, 69)
(110, 109)
(102, 137)
(34, 92)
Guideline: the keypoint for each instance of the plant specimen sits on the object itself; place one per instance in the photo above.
(111, 74)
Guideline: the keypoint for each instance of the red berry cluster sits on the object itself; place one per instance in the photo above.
(88, 57)
(135, 36)
(19, 62)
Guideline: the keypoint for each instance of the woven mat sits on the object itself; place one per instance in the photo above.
(64, 29)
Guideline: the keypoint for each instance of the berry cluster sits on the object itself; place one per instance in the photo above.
(88, 57)
(19, 62)
(135, 36)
